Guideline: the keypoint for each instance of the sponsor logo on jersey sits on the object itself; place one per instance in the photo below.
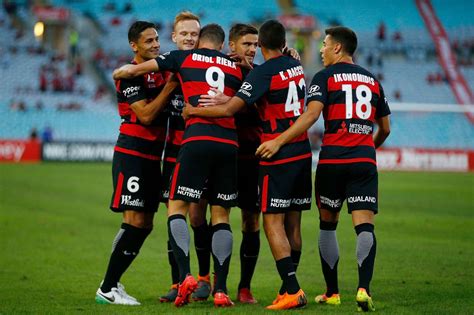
(314, 90)
(245, 88)
(227, 197)
(360, 129)
(354, 199)
(131, 91)
(330, 202)
(163, 56)
(127, 201)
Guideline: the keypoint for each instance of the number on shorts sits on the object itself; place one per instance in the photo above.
(132, 184)
(363, 106)
(292, 101)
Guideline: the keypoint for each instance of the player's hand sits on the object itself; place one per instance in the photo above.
(291, 52)
(241, 61)
(122, 72)
(268, 149)
(213, 97)
(187, 111)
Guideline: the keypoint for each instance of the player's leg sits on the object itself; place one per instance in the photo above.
(249, 250)
(202, 243)
(274, 226)
(250, 246)
(330, 190)
(293, 232)
(186, 186)
(168, 166)
(363, 205)
(134, 180)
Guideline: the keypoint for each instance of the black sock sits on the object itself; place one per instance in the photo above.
(249, 249)
(366, 250)
(288, 275)
(202, 243)
(329, 255)
(173, 264)
(295, 257)
(125, 248)
(221, 253)
(178, 234)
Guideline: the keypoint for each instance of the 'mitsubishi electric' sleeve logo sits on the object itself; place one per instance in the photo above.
(245, 88)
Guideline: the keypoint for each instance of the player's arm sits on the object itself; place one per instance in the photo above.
(382, 131)
(216, 97)
(130, 71)
(228, 109)
(269, 148)
(147, 112)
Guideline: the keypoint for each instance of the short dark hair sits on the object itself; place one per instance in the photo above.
(213, 33)
(137, 28)
(238, 30)
(345, 36)
(272, 35)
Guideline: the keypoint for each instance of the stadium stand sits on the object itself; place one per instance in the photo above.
(406, 51)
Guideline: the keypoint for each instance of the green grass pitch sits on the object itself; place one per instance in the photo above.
(56, 233)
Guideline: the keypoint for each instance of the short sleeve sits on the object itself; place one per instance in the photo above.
(133, 90)
(170, 61)
(382, 105)
(255, 85)
(317, 90)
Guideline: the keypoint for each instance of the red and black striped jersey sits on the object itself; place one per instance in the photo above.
(353, 99)
(136, 138)
(176, 125)
(279, 85)
(199, 70)
(249, 130)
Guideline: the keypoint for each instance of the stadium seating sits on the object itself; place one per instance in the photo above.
(405, 66)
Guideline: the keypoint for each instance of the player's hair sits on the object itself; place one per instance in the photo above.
(185, 15)
(344, 36)
(212, 33)
(137, 28)
(238, 30)
(272, 35)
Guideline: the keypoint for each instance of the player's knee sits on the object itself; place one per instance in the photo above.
(250, 221)
(328, 216)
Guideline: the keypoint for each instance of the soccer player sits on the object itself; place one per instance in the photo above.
(352, 101)
(186, 35)
(136, 162)
(285, 179)
(208, 156)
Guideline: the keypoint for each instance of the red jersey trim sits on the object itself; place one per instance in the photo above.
(173, 180)
(345, 139)
(347, 161)
(207, 138)
(264, 194)
(118, 190)
(151, 133)
(139, 154)
(288, 160)
(170, 159)
(271, 136)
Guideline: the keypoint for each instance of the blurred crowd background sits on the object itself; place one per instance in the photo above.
(57, 57)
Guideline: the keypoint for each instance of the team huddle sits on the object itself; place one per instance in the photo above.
(200, 127)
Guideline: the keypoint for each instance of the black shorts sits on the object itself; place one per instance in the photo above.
(285, 187)
(208, 164)
(355, 182)
(168, 167)
(136, 182)
(248, 184)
